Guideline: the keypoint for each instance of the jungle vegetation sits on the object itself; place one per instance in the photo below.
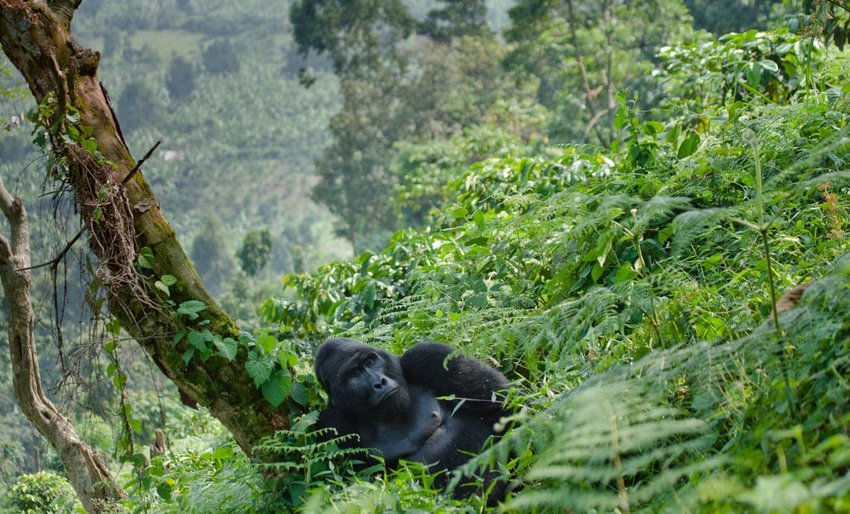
(637, 211)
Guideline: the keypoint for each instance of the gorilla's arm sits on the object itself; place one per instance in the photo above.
(342, 422)
(425, 365)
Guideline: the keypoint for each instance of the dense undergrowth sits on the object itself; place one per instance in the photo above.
(626, 292)
(628, 295)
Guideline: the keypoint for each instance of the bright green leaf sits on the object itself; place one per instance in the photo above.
(277, 388)
(259, 368)
(227, 347)
(145, 258)
(689, 145)
(266, 342)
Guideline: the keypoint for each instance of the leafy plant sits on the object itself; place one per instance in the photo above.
(41, 493)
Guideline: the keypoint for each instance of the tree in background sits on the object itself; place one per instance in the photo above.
(585, 53)
(180, 80)
(220, 59)
(255, 251)
(714, 15)
(210, 255)
(455, 18)
(357, 34)
(581, 55)
(138, 106)
(450, 87)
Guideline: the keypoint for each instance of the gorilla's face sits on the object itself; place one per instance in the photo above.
(362, 380)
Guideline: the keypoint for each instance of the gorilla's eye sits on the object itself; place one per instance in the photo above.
(369, 361)
(357, 371)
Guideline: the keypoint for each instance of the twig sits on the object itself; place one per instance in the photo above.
(53, 263)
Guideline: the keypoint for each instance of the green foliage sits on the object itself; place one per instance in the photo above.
(220, 58)
(357, 34)
(584, 53)
(307, 460)
(450, 88)
(220, 479)
(616, 435)
(827, 19)
(138, 106)
(760, 66)
(455, 18)
(255, 251)
(210, 256)
(180, 80)
(594, 278)
(626, 290)
(41, 493)
(714, 15)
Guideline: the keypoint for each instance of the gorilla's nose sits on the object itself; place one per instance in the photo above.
(382, 383)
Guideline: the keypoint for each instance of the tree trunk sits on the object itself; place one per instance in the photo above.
(86, 470)
(121, 219)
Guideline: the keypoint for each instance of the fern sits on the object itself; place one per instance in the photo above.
(610, 446)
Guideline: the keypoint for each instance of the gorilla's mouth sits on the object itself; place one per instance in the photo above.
(386, 394)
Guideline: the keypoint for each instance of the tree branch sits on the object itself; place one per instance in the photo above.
(86, 471)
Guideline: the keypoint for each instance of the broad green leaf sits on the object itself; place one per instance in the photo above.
(259, 367)
(90, 146)
(197, 340)
(191, 308)
(478, 218)
(145, 258)
(162, 287)
(596, 272)
(299, 394)
(222, 453)
(287, 359)
(227, 347)
(277, 388)
(187, 355)
(266, 342)
(368, 295)
(624, 273)
(164, 490)
(652, 128)
(689, 145)
(113, 327)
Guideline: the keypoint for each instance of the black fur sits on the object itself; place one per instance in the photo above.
(392, 403)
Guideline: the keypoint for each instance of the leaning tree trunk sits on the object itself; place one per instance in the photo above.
(123, 218)
(86, 470)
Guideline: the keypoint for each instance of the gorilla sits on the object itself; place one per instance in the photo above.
(395, 404)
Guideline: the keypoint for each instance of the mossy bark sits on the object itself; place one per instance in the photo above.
(37, 39)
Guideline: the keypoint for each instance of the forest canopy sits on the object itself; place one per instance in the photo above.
(635, 211)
